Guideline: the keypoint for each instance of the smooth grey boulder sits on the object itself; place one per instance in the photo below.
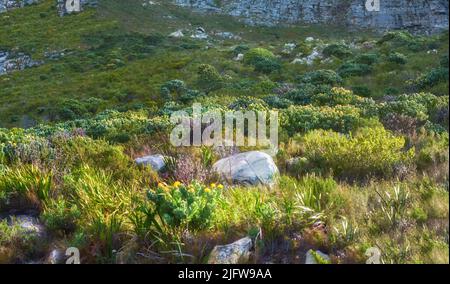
(235, 253)
(249, 168)
(156, 162)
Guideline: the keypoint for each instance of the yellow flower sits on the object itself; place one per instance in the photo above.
(220, 186)
(213, 185)
(177, 184)
(208, 190)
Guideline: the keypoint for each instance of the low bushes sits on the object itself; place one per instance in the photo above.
(367, 58)
(321, 77)
(191, 206)
(350, 69)
(368, 152)
(338, 50)
(301, 119)
(397, 58)
(421, 106)
(208, 78)
(431, 78)
(262, 59)
(337, 96)
(255, 55)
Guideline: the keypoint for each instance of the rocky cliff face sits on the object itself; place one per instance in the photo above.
(414, 15)
(6, 5)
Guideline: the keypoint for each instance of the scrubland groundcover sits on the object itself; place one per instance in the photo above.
(363, 154)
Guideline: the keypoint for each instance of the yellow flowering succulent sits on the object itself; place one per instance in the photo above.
(177, 184)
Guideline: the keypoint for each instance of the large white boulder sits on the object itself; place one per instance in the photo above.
(249, 168)
(177, 34)
(156, 162)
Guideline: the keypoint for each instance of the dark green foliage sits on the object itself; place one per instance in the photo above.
(208, 78)
(398, 58)
(367, 58)
(267, 66)
(301, 119)
(432, 78)
(321, 77)
(338, 50)
(354, 69)
(362, 91)
(277, 102)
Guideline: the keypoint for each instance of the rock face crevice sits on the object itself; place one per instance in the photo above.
(415, 15)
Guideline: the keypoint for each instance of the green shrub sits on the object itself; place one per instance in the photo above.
(419, 106)
(240, 49)
(398, 58)
(368, 152)
(192, 205)
(59, 216)
(432, 78)
(304, 92)
(354, 69)
(337, 96)
(432, 151)
(77, 151)
(255, 55)
(301, 119)
(248, 103)
(338, 50)
(397, 38)
(362, 91)
(367, 58)
(172, 89)
(277, 102)
(208, 78)
(321, 77)
(267, 66)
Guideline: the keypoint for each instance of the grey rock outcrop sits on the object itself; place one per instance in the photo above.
(249, 168)
(15, 62)
(6, 5)
(29, 225)
(417, 16)
(235, 253)
(62, 6)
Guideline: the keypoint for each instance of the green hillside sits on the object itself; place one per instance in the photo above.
(363, 155)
